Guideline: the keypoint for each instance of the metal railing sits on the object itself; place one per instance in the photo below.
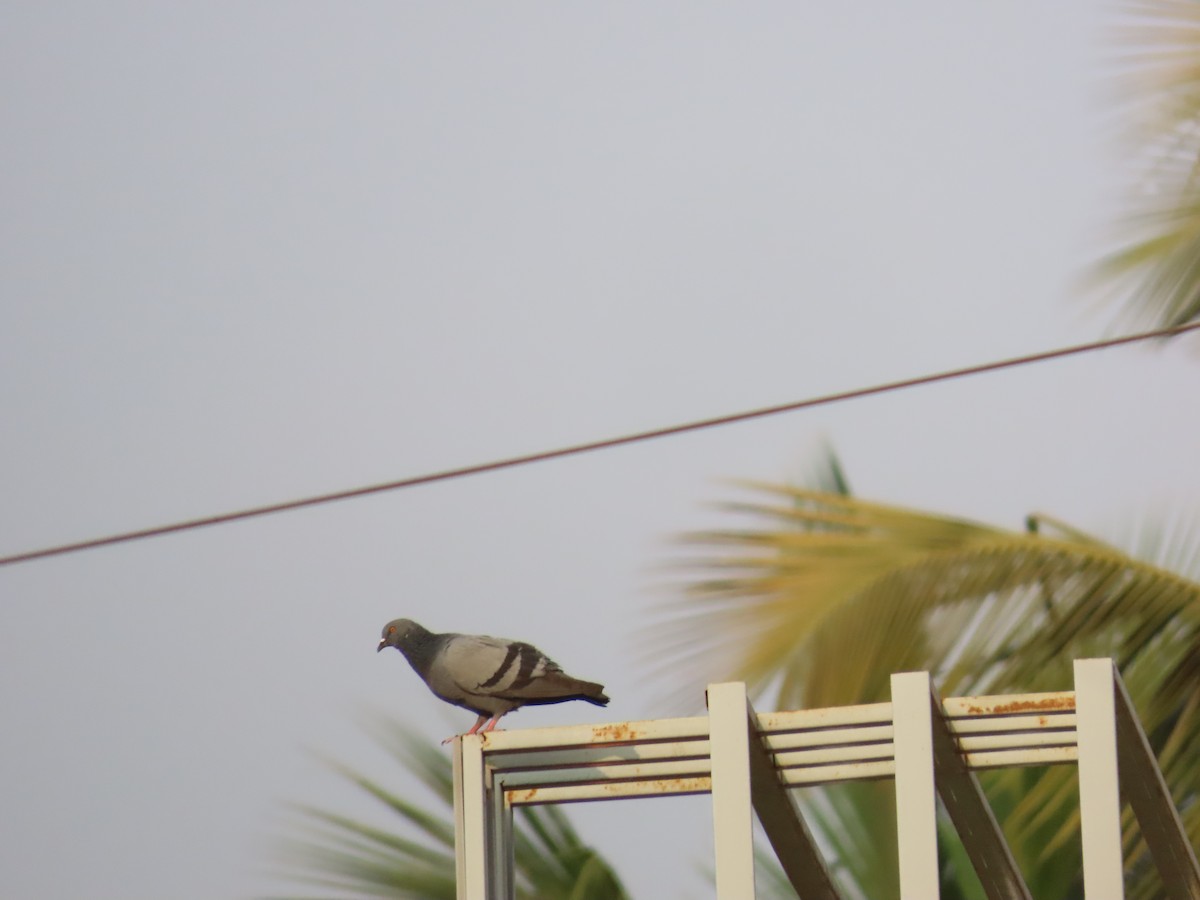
(748, 762)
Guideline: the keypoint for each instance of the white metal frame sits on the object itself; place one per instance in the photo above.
(748, 761)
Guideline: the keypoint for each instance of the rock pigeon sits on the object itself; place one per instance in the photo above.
(489, 676)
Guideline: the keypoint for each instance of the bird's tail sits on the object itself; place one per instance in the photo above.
(556, 687)
(592, 693)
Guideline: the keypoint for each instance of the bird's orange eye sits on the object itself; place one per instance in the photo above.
(392, 629)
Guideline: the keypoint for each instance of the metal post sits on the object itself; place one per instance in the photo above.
(749, 763)
(460, 837)
(500, 849)
(916, 806)
(781, 820)
(1143, 785)
(972, 817)
(1099, 780)
(733, 817)
(473, 883)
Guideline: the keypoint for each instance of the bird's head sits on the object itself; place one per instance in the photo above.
(396, 632)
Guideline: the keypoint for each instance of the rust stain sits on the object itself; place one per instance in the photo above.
(1046, 704)
(617, 732)
(680, 785)
(697, 784)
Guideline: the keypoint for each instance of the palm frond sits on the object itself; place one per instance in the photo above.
(830, 594)
(1159, 86)
(355, 860)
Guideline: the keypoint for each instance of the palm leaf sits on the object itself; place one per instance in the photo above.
(357, 860)
(828, 595)
(1158, 264)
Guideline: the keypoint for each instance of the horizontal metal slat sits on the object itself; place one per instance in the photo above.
(1010, 723)
(596, 754)
(654, 771)
(845, 754)
(610, 790)
(1009, 704)
(583, 735)
(984, 742)
(804, 719)
(1034, 756)
(826, 737)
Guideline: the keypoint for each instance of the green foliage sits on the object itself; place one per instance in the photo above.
(1158, 264)
(814, 602)
(822, 596)
(356, 860)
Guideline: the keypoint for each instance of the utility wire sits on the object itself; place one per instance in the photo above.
(513, 461)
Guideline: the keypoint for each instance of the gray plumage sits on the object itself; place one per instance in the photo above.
(489, 676)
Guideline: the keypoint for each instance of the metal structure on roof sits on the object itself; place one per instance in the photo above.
(749, 762)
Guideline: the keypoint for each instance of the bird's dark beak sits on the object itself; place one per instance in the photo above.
(383, 643)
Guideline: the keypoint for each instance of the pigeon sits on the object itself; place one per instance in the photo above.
(489, 676)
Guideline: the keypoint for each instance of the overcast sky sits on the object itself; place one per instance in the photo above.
(256, 251)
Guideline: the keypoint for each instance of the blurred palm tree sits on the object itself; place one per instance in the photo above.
(345, 858)
(1157, 267)
(821, 596)
(815, 601)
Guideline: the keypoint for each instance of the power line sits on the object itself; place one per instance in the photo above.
(513, 461)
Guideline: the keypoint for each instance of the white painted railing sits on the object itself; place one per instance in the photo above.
(748, 761)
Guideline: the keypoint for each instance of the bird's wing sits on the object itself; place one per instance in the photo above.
(494, 667)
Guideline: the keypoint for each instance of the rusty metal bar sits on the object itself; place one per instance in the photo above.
(590, 735)
(1008, 704)
(749, 761)
(652, 771)
(610, 790)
